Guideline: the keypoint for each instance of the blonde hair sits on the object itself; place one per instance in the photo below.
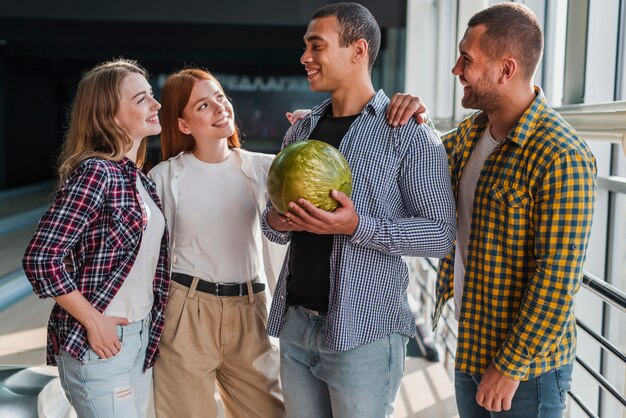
(93, 130)
(176, 92)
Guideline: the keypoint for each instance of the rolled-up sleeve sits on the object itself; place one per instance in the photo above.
(76, 204)
(563, 215)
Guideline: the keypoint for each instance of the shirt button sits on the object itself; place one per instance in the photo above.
(572, 247)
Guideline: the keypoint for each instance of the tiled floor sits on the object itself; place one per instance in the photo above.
(426, 390)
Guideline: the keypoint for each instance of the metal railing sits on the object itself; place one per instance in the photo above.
(446, 335)
(600, 121)
(617, 299)
(604, 122)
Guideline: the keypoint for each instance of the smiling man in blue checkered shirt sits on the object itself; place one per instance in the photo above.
(525, 187)
(340, 307)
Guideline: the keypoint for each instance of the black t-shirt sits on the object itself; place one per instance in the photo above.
(308, 283)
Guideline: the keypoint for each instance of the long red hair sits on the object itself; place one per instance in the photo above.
(176, 92)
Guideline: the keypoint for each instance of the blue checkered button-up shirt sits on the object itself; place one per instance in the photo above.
(403, 197)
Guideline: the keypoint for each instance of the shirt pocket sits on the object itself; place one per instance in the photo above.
(508, 220)
(509, 197)
(124, 228)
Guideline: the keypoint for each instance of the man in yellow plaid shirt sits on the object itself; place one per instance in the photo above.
(525, 188)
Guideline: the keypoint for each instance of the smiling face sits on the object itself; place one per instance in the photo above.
(477, 73)
(208, 113)
(138, 110)
(327, 64)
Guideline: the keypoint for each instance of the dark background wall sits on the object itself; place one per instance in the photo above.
(46, 46)
(265, 12)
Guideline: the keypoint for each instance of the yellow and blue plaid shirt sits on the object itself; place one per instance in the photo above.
(530, 227)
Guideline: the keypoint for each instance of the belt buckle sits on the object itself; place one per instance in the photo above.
(217, 288)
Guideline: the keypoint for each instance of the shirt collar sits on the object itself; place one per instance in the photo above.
(527, 123)
(127, 163)
(133, 171)
(377, 104)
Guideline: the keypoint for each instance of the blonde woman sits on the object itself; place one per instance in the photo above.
(106, 218)
(213, 194)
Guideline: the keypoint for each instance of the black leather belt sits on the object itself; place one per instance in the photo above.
(218, 289)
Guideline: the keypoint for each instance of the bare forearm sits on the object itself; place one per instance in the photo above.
(79, 307)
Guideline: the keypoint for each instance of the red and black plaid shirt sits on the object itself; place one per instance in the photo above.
(97, 221)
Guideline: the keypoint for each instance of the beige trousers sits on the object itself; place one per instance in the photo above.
(208, 340)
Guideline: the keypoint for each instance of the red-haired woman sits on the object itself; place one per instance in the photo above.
(213, 193)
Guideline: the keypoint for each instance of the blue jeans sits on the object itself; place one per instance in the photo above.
(111, 387)
(317, 383)
(541, 397)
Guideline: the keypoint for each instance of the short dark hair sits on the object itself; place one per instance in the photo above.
(355, 22)
(512, 28)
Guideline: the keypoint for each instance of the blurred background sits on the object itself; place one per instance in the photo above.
(252, 46)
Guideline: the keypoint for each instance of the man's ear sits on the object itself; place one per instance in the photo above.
(508, 69)
(183, 126)
(360, 50)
